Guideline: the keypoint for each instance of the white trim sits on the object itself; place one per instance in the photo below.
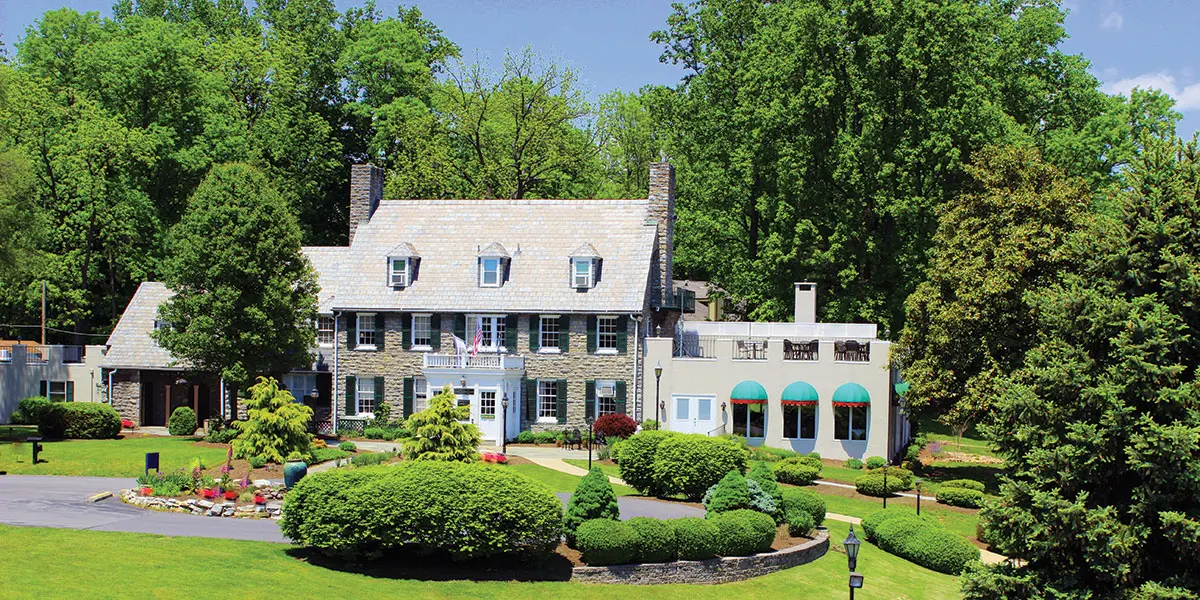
(557, 348)
(405, 275)
(412, 331)
(332, 330)
(590, 282)
(499, 271)
(358, 331)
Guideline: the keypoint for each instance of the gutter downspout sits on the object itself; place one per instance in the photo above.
(637, 352)
(337, 316)
(110, 387)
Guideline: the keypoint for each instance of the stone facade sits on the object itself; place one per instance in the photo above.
(127, 395)
(662, 210)
(366, 190)
(713, 570)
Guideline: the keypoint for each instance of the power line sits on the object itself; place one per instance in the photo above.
(53, 329)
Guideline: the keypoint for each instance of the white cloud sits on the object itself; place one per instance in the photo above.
(1187, 97)
(1114, 20)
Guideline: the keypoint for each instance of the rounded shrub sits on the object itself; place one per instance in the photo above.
(637, 460)
(798, 471)
(80, 420)
(466, 510)
(594, 498)
(969, 484)
(688, 465)
(614, 426)
(799, 523)
(925, 542)
(963, 497)
(695, 538)
(731, 493)
(182, 421)
(877, 518)
(525, 437)
(816, 455)
(744, 532)
(348, 447)
(374, 433)
(30, 410)
(656, 539)
(607, 542)
(872, 484)
(854, 463)
(875, 462)
(806, 501)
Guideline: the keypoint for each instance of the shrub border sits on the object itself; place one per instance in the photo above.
(713, 570)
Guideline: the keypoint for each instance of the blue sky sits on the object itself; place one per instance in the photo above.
(1148, 43)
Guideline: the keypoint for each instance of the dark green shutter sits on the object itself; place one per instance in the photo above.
(409, 386)
(621, 398)
(531, 399)
(535, 332)
(380, 328)
(622, 334)
(564, 333)
(435, 332)
(510, 333)
(590, 410)
(70, 391)
(561, 409)
(460, 326)
(378, 391)
(591, 334)
(350, 406)
(351, 330)
(43, 388)
(406, 330)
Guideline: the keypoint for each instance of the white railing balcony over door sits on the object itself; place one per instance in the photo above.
(480, 361)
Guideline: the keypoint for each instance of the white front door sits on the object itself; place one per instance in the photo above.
(692, 414)
(485, 412)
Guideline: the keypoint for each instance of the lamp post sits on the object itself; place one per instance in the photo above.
(590, 420)
(885, 489)
(918, 497)
(657, 385)
(504, 424)
(851, 545)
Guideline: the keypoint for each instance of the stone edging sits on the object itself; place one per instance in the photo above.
(201, 507)
(713, 570)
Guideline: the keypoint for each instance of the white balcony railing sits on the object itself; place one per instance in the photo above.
(479, 361)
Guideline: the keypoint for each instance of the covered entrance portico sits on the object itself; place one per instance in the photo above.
(483, 383)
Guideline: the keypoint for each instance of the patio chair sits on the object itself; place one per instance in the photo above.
(852, 350)
(573, 438)
(839, 350)
(741, 348)
(789, 350)
(814, 349)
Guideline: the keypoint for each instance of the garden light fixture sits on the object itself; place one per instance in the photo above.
(657, 385)
(851, 544)
(504, 424)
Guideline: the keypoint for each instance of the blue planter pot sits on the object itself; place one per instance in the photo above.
(293, 472)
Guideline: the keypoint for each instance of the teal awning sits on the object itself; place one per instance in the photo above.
(799, 392)
(901, 388)
(851, 393)
(750, 391)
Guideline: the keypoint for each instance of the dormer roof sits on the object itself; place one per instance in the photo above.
(585, 251)
(494, 250)
(404, 250)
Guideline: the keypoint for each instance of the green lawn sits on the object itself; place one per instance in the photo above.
(559, 481)
(105, 458)
(972, 441)
(962, 523)
(166, 567)
(17, 432)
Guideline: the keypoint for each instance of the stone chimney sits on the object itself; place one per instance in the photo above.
(366, 190)
(662, 210)
(806, 302)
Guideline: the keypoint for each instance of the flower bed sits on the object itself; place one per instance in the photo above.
(266, 503)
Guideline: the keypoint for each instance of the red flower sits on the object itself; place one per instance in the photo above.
(147, 491)
(259, 499)
(126, 423)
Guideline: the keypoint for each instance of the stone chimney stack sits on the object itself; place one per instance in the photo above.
(662, 210)
(806, 302)
(366, 190)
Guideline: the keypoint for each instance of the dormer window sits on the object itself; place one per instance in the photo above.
(581, 273)
(398, 272)
(492, 262)
(402, 265)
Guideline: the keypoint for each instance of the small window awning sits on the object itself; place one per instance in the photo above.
(851, 394)
(799, 394)
(901, 388)
(748, 392)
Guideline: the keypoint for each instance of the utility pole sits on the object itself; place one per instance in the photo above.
(43, 312)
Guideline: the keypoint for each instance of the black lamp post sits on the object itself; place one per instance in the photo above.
(851, 544)
(918, 497)
(504, 424)
(657, 385)
(885, 489)
(590, 420)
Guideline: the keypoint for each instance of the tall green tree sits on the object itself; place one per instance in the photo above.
(817, 141)
(628, 139)
(244, 298)
(1100, 424)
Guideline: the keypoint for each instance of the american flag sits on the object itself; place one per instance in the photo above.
(478, 339)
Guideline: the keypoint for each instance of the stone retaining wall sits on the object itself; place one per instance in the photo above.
(714, 570)
(206, 508)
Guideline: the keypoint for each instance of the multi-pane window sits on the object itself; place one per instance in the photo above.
(366, 331)
(850, 422)
(487, 404)
(325, 331)
(421, 333)
(549, 332)
(364, 393)
(420, 394)
(398, 272)
(159, 324)
(800, 421)
(547, 399)
(489, 272)
(581, 272)
(606, 334)
(59, 391)
(300, 385)
(750, 420)
(490, 329)
(606, 397)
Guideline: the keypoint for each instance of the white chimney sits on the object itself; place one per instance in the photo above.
(806, 302)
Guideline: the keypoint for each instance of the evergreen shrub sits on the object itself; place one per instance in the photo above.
(607, 542)
(182, 421)
(744, 532)
(799, 522)
(80, 420)
(688, 465)
(656, 539)
(963, 497)
(969, 484)
(637, 456)
(804, 501)
(875, 462)
(594, 498)
(695, 538)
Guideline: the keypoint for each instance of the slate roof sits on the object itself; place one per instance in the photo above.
(539, 235)
(325, 261)
(129, 345)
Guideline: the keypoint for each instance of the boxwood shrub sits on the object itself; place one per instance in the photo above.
(801, 470)
(606, 542)
(872, 483)
(636, 460)
(805, 501)
(182, 421)
(875, 462)
(875, 519)
(744, 532)
(695, 538)
(80, 420)
(689, 464)
(799, 523)
(854, 463)
(525, 437)
(656, 539)
(465, 510)
(956, 496)
(926, 543)
(969, 484)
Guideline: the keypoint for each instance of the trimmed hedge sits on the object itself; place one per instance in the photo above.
(799, 523)
(922, 540)
(466, 510)
(956, 496)
(182, 421)
(30, 410)
(801, 470)
(805, 501)
(594, 498)
(656, 539)
(689, 464)
(969, 484)
(875, 519)
(744, 532)
(607, 542)
(695, 538)
(80, 420)
(875, 462)
(636, 464)
(871, 484)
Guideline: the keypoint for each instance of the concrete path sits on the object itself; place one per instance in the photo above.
(50, 501)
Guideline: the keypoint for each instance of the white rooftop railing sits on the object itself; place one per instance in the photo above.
(790, 331)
